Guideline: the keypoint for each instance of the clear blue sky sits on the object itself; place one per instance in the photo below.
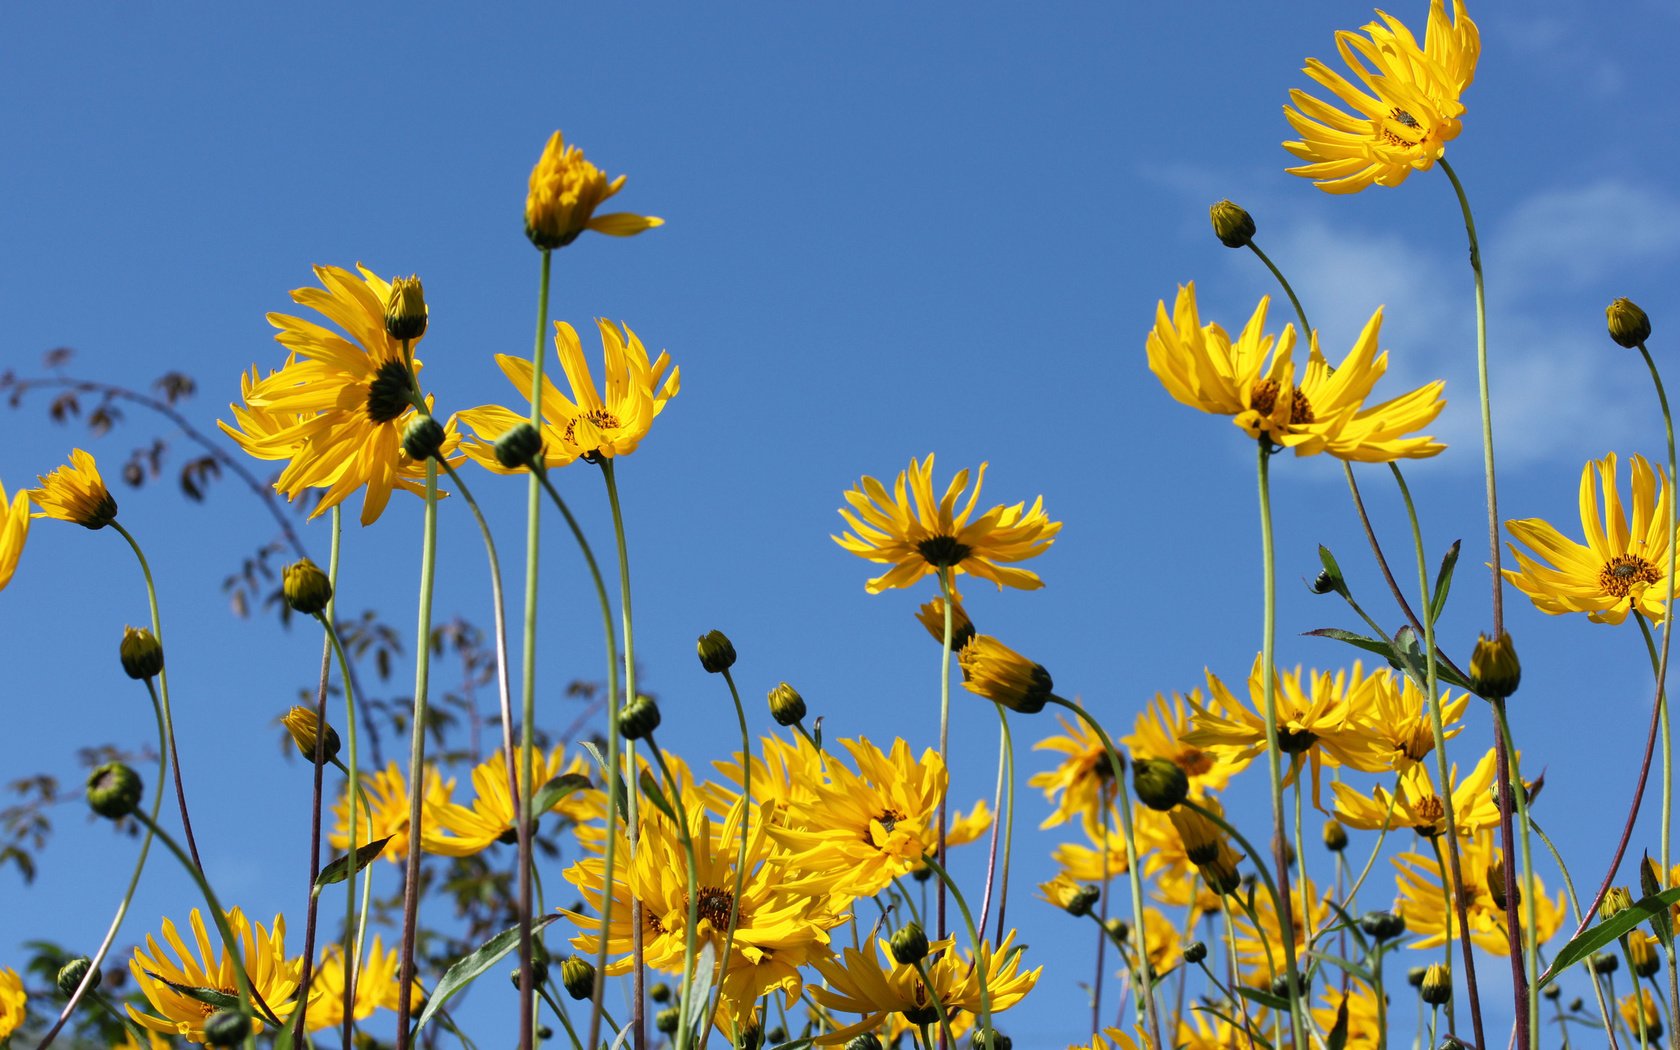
(891, 230)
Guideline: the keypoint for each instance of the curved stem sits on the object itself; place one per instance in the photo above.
(982, 978)
(1306, 329)
(685, 836)
(740, 855)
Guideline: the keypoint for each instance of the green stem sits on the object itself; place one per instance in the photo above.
(1306, 329)
(560, 1012)
(948, 592)
(982, 978)
(938, 1007)
(1575, 907)
(690, 929)
(1301, 855)
(1668, 621)
(740, 855)
(1519, 796)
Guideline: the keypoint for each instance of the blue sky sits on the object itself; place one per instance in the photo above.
(891, 231)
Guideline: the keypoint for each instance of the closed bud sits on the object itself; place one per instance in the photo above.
(1496, 885)
(1231, 224)
(405, 310)
(1117, 930)
(1382, 925)
(978, 1040)
(866, 1041)
(543, 1032)
(578, 976)
(1002, 675)
(1552, 992)
(1437, 984)
(909, 944)
(1642, 953)
(1575, 1004)
(1159, 784)
(1324, 583)
(1629, 326)
(1603, 962)
(113, 790)
(1449, 1043)
(660, 993)
(519, 446)
(1195, 952)
(1335, 836)
(1494, 669)
(777, 1034)
(1083, 900)
(1414, 976)
(306, 587)
(638, 718)
(141, 653)
(305, 730)
(1616, 898)
(71, 973)
(750, 1038)
(1281, 986)
(226, 1028)
(717, 654)
(666, 1020)
(931, 615)
(787, 707)
(422, 438)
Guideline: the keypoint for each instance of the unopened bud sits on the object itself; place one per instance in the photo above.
(519, 446)
(1642, 953)
(1414, 976)
(1382, 925)
(666, 1020)
(1629, 326)
(1002, 675)
(578, 976)
(1335, 836)
(1616, 898)
(1437, 984)
(1195, 952)
(660, 993)
(113, 790)
(1159, 784)
(1552, 992)
(405, 310)
(1603, 962)
(1231, 224)
(1494, 669)
(909, 944)
(422, 438)
(866, 1041)
(978, 1040)
(226, 1028)
(305, 730)
(1323, 583)
(306, 587)
(638, 718)
(931, 615)
(140, 652)
(717, 655)
(71, 973)
(787, 707)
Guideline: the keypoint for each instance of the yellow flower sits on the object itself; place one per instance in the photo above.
(1260, 950)
(917, 535)
(376, 986)
(565, 191)
(1417, 804)
(14, 529)
(305, 731)
(1159, 733)
(858, 983)
(14, 1002)
(1622, 565)
(1406, 115)
(349, 399)
(786, 775)
(589, 424)
(1397, 719)
(1201, 367)
(1642, 1013)
(1196, 1031)
(998, 673)
(388, 801)
(1083, 783)
(1423, 903)
(1364, 1028)
(1113, 1039)
(273, 976)
(75, 493)
(461, 831)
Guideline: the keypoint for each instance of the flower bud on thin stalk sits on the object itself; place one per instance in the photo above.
(1628, 325)
(1231, 224)
(787, 707)
(405, 310)
(717, 654)
(141, 653)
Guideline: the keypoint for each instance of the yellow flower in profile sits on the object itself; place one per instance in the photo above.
(565, 191)
(1253, 380)
(273, 976)
(387, 793)
(1407, 112)
(1622, 566)
(1423, 903)
(376, 986)
(14, 529)
(1642, 1014)
(918, 535)
(75, 493)
(14, 1002)
(859, 983)
(593, 423)
(1197, 1030)
(454, 830)
(1113, 1039)
(1082, 784)
(1417, 803)
(350, 396)
(1159, 733)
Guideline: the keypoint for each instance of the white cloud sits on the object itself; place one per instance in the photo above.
(1584, 234)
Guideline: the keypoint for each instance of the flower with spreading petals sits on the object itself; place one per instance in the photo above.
(565, 191)
(273, 976)
(387, 809)
(1254, 381)
(1407, 112)
(454, 830)
(1395, 713)
(918, 535)
(14, 1002)
(14, 529)
(1423, 903)
(1364, 1018)
(376, 986)
(593, 423)
(75, 493)
(349, 395)
(1159, 733)
(1417, 804)
(1623, 565)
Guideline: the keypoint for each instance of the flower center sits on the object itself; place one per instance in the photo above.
(888, 819)
(1401, 129)
(206, 1009)
(1623, 572)
(1415, 741)
(388, 393)
(715, 905)
(1264, 401)
(1430, 811)
(1194, 761)
(1295, 741)
(943, 551)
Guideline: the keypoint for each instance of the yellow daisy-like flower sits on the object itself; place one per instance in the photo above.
(387, 808)
(273, 976)
(14, 1002)
(1405, 116)
(1423, 903)
(1396, 716)
(14, 529)
(153, 1041)
(75, 493)
(454, 830)
(376, 986)
(1254, 381)
(565, 191)
(1642, 1014)
(1083, 782)
(786, 775)
(1417, 803)
(1159, 733)
(1093, 863)
(859, 983)
(1622, 566)
(918, 535)
(1198, 1031)
(1364, 1023)
(350, 399)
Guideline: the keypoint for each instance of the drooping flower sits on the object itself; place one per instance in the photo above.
(14, 529)
(918, 534)
(1423, 903)
(376, 986)
(14, 1002)
(1253, 380)
(1623, 565)
(565, 191)
(273, 976)
(75, 493)
(593, 423)
(350, 396)
(454, 830)
(387, 809)
(1407, 112)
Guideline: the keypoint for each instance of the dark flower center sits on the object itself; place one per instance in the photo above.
(1623, 571)
(1295, 741)
(1194, 761)
(715, 905)
(888, 819)
(942, 552)
(388, 393)
(1264, 401)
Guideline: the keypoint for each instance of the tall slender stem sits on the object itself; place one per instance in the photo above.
(1668, 619)
(740, 855)
(949, 593)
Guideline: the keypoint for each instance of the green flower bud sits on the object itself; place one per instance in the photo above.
(1494, 669)
(578, 977)
(1604, 962)
(301, 723)
(226, 1028)
(1642, 954)
(717, 655)
(909, 944)
(1629, 326)
(519, 446)
(1382, 925)
(422, 438)
(1552, 992)
(1231, 224)
(977, 1040)
(1414, 976)
(71, 973)
(660, 993)
(666, 1020)
(1195, 952)
(1159, 784)
(306, 587)
(1335, 836)
(1083, 901)
(141, 653)
(1437, 984)
(544, 1032)
(405, 310)
(1002, 675)
(113, 790)
(1324, 583)
(787, 707)
(638, 718)
(866, 1041)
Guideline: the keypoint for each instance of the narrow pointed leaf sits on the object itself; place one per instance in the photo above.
(700, 988)
(601, 764)
(550, 794)
(1595, 937)
(208, 996)
(1443, 583)
(1662, 923)
(1358, 641)
(467, 969)
(366, 854)
(650, 789)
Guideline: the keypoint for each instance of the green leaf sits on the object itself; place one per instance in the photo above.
(336, 871)
(601, 764)
(1443, 583)
(468, 968)
(1344, 965)
(1596, 937)
(1371, 645)
(1662, 924)
(550, 794)
(1255, 1040)
(1337, 1039)
(1328, 560)
(1266, 999)
(209, 996)
(699, 989)
(650, 788)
